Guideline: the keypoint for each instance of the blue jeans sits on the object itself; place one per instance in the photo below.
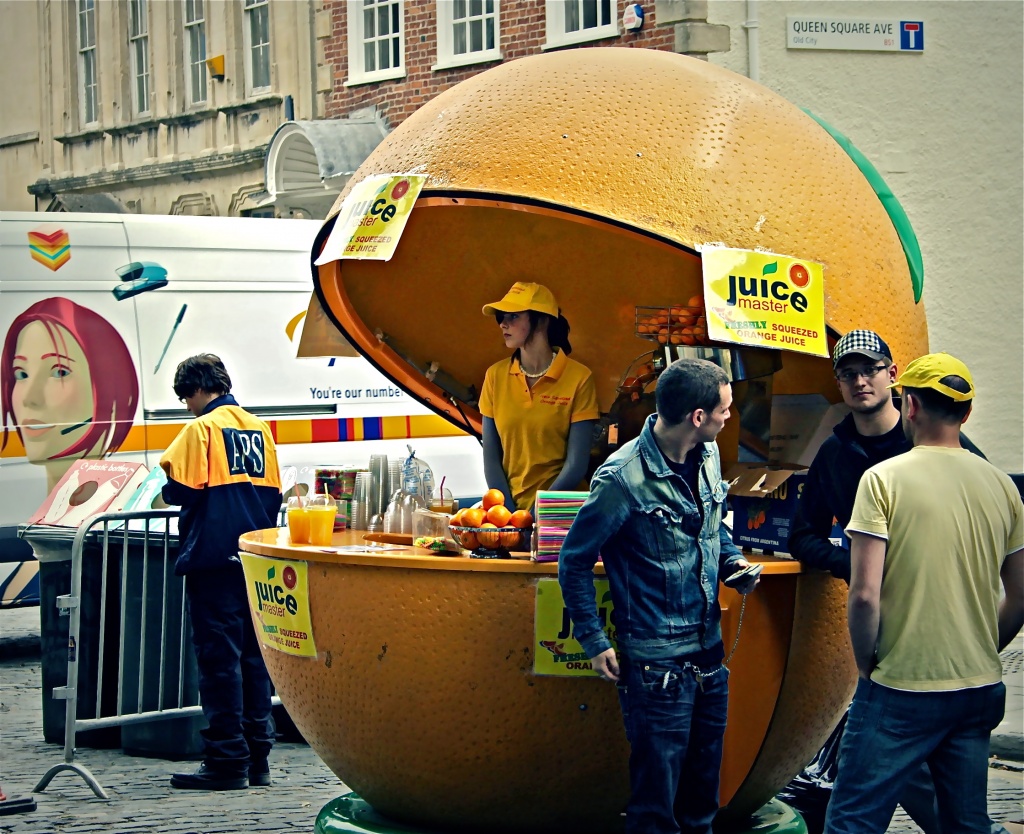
(889, 734)
(675, 722)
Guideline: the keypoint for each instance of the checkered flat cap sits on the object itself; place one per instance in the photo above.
(864, 342)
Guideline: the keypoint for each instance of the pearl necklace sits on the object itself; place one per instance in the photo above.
(538, 375)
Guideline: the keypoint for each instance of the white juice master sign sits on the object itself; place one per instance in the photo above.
(860, 34)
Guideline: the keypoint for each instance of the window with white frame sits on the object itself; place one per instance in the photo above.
(195, 51)
(88, 90)
(579, 21)
(138, 48)
(467, 32)
(257, 44)
(376, 40)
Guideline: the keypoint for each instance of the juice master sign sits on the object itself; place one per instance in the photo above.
(764, 300)
(279, 599)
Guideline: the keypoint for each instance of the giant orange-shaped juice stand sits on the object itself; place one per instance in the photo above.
(600, 173)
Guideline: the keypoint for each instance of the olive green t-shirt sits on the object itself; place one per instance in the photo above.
(950, 519)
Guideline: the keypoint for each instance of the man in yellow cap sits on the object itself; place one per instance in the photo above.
(937, 537)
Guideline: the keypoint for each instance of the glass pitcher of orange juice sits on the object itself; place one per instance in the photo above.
(321, 510)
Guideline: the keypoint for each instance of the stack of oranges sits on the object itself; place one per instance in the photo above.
(490, 525)
(685, 324)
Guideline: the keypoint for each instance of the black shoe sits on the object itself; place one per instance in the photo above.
(207, 779)
(259, 774)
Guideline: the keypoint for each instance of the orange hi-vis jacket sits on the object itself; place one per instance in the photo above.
(222, 470)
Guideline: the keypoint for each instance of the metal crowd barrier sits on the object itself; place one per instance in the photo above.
(170, 669)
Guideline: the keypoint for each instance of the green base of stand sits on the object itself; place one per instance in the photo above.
(349, 814)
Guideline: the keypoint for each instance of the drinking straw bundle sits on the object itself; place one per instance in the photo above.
(554, 516)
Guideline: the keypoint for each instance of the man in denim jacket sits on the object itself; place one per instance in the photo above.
(655, 515)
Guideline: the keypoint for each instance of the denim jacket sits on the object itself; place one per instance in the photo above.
(664, 582)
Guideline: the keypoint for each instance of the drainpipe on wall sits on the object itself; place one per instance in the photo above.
(753, 47)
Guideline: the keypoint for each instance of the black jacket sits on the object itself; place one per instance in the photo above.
(831, 488)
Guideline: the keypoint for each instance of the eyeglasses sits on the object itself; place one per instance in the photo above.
(851, 374)
(508, 318)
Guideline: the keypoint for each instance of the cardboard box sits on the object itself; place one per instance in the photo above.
(87, 488)
(763, 501)
(764, 495)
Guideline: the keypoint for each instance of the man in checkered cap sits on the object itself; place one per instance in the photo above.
(936, 591)
(869, 434)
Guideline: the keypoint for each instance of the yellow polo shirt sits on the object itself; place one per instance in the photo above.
(534, 424)
(950, 518)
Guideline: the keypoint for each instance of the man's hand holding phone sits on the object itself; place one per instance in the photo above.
(745, 579)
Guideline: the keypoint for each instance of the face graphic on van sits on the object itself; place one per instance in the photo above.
(52, 397)
(68, 385)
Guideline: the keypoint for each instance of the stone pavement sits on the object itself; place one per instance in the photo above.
(142, 801)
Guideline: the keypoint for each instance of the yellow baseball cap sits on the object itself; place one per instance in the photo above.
(929, 371)
(525, 296)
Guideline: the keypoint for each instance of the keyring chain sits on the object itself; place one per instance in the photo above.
(739, 625)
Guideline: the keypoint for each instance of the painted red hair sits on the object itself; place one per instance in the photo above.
(115, 385)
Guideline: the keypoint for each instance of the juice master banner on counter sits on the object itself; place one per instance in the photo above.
(764, 300)
(279, 598)
(372, 218)
(556, 651)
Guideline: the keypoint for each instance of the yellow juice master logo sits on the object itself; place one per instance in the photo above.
(279, 599)
(372, 218)
(764, 300)
(555, 650)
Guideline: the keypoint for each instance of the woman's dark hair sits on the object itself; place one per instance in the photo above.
(204, 372)
(558, 330)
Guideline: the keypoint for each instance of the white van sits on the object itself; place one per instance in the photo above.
(97, 311)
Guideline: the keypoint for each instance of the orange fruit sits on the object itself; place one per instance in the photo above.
(456, 520)
(521, 519)
(509, 538)
(493, 498)
(696, 302)
(488, 535)
(469, 540)
(499, 515)
(473, 517)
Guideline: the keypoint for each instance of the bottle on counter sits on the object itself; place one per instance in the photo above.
(410, 503)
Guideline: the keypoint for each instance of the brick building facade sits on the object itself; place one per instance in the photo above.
(427, 59)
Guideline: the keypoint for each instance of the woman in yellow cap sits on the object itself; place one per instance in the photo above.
(539, 407)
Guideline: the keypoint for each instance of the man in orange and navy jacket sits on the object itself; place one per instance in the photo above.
(222, 470)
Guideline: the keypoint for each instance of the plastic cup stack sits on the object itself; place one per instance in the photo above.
(377, 489)
(394, 478)
(358, 514)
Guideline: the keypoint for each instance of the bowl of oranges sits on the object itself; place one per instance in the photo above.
(492, 529)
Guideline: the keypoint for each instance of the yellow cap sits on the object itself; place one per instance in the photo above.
(524, 296)
(929, 371)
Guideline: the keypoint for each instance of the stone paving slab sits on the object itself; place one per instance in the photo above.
(142, 800)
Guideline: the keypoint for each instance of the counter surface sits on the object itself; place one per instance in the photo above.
(276, 543)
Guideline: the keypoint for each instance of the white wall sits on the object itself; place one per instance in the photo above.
(946, 130)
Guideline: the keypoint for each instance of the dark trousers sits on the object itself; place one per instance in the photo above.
(675, 722)
(233, 682)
